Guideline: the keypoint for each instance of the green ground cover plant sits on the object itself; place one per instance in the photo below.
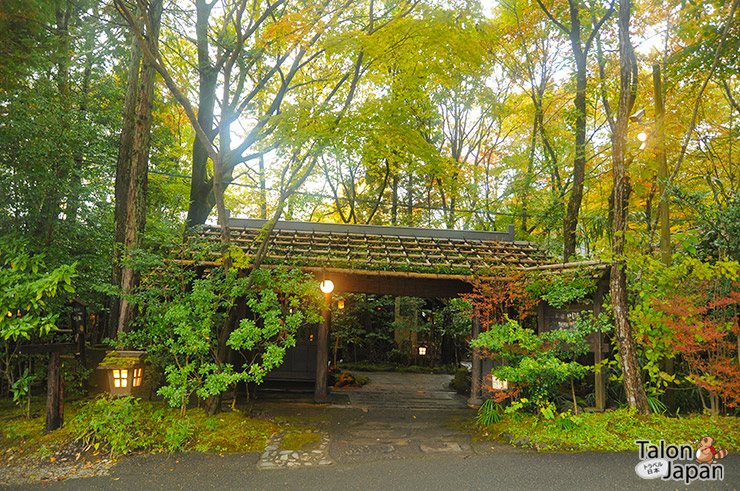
(123, 425)
(614, 430)
(300, 440)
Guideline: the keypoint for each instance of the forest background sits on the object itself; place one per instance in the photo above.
(123, 123)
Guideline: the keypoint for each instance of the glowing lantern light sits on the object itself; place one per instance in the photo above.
(327, 286)
(642, 136)
(125, 371)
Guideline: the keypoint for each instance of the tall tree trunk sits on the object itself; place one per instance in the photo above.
(570, 223)
(263, 189)
(123, 175)
(394, 200)
(410, 204)
(135, 197)
(73, 200)
(202, 199)
(51, 203)
(618, 282)
(579, 163)
(580, 52)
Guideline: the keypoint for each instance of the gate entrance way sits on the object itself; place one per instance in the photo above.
(400, 261)
(394, 390)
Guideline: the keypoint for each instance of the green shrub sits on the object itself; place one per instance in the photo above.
(461, 382)
(489, 413)
(115, 423)
(178, 434)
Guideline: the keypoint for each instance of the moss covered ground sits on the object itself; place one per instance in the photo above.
(615, 430)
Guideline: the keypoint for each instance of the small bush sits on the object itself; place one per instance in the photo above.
(113, 422)
(461, 382)
(489, 413)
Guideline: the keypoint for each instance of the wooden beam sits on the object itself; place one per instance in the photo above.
(35, 349)
(566, 265)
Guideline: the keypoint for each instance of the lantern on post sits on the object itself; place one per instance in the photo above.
(321, 389)
(124, 371)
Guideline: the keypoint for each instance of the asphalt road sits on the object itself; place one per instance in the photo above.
(540, 471)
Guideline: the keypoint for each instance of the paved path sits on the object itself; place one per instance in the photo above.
(404, 390)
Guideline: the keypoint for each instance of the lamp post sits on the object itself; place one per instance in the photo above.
(321, 389)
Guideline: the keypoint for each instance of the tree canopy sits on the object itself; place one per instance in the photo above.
(456, 114)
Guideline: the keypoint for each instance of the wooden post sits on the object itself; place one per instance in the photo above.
(476, 375)
(321, 390)
(55, 385)
(54, 394)
(600, 374)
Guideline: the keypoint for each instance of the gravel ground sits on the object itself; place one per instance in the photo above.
(65, 463)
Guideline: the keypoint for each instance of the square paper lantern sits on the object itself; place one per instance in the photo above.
(125, 372)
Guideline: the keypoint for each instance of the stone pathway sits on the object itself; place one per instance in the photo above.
(396, 416)
(404, 391)
(397, 434)
(275, 457)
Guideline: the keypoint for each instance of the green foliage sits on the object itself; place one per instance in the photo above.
(272, 329)
(93, 421)
(564, 289)
(613, 431)
(184, 316)
(178, 434)
(21, 389)
(115, 423)
(686, 308)
(536, 364)
(26, 288)
(120, 425)
(656, 405)
(567, 422)
(490, 412)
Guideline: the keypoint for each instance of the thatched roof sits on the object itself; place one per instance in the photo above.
(392, 249)
(393, 260)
